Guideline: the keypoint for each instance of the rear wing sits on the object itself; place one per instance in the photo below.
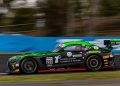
(110, 43)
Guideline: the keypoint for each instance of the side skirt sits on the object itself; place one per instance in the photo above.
(69, 69)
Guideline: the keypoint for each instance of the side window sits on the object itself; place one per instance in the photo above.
(73, 48)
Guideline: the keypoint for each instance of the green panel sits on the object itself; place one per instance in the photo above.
(77, 43)
(36, 54)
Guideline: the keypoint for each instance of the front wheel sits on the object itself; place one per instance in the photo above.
(94, 63)
(28, 66)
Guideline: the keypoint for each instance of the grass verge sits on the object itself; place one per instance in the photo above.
(61, 76)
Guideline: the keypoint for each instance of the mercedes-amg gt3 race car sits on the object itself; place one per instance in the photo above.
(67, 56)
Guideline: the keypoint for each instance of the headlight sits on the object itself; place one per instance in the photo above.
(14, 59)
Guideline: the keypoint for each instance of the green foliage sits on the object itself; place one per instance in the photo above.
(78, 8)
(23, 16)
(110, 7)
(55, 17)
(58, 15)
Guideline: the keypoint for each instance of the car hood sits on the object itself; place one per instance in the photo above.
(39, 54)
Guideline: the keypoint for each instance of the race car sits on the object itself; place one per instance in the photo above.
(67, 56)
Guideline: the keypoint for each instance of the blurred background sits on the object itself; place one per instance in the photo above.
(60, 17)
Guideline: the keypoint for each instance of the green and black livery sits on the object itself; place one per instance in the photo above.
(73, 54)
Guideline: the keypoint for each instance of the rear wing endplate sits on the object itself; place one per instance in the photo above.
(111, 42)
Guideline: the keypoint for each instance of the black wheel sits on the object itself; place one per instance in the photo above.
(94, 63)
(28, 66)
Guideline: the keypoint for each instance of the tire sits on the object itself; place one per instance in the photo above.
(94, 63)
(28, 66)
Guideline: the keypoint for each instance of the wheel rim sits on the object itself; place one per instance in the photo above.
(94, 63)
(29, 66)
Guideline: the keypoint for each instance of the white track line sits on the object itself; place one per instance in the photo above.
(3, 73)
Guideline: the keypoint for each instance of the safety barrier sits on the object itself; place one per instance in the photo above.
(21, 43)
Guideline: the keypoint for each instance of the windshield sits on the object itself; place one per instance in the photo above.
(58, 48)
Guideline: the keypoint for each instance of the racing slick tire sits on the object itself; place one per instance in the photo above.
(94, 63)
(28, 66)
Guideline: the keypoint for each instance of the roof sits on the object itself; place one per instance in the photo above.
(83, 43)
(115, 40)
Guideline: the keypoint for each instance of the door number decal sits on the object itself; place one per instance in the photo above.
(49, 60)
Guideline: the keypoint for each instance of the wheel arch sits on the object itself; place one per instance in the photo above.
(37, 60)
(92, 55)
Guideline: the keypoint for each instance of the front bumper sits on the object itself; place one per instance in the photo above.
(13, 68)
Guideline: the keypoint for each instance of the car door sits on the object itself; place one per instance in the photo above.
(73, 55)
(54, 60)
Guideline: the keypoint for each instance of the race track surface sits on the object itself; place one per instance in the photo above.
(115, 82)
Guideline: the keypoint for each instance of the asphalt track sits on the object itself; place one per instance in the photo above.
(115, 82)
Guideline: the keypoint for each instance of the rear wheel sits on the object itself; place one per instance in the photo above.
(94, 63)
(28, 66)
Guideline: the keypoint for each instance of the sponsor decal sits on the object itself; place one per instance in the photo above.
(69, 60)
(94, 51)
(57, 58)
(96, 47)
(105, 60)
(77, 55)
(106, 57)
(69, 54)
(106, 63)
